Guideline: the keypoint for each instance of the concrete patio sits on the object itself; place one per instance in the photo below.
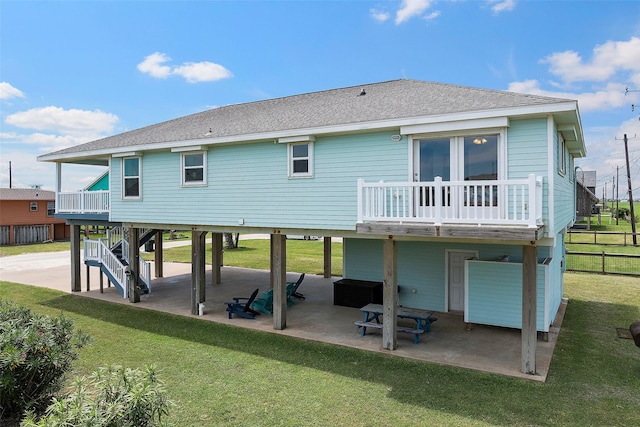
(450, 342)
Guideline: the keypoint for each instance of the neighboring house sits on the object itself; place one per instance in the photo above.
(586, 202)
(461, 196)
(587, 179)
(28, 216)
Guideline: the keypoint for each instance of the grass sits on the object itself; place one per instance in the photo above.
(34, 248)
(221, 375)
(302, 255)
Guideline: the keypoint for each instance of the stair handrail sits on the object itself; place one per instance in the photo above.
(99, 251)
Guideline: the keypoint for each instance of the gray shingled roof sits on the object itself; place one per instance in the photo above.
(26, 194)
(396, 99)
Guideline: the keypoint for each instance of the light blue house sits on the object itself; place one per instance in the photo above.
(456, 198)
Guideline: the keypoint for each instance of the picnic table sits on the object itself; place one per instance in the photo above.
(423, 319)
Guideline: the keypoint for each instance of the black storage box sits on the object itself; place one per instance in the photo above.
(356, 293)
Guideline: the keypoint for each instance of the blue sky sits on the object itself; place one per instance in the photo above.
(72, 72)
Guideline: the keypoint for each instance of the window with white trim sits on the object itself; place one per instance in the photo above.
(33, 206)
(194, 168)
(131, 177)
(51, 208)
(562, 155)
(301, 160)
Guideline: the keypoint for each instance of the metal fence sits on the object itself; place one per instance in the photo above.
(604, 263)
(610, 238)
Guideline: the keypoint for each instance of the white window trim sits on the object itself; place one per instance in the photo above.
(33, 206)
(309, 173)
(456, 139)
(562, 155)
(139, 196)
(202, 183)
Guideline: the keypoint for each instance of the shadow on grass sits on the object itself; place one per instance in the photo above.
(592, 374)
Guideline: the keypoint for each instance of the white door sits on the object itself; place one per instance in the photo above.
(455, 276)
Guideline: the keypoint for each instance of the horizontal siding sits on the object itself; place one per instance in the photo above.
(250, 182)
(421, 266)
(564, 190)
(527, 153)
(499, 302)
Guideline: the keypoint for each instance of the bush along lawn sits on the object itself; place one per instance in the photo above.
(36, 356)
(220, 375)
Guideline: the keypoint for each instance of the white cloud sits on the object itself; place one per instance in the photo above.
(610, 96)
(152, 65)
(193, 72)
(432, 15)
(410, 9)
(7, 91)
(44, 141)
(608, 59)
(379, 15)
(502, 5)
(72, 122)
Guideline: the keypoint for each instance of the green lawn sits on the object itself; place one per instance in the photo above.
(224, 375)
(302, 255)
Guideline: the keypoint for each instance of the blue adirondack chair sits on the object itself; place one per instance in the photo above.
(292, 290)
(243, 309)
(264, 303)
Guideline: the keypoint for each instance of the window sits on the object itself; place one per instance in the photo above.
(459, 158)
(194, 168)
(481, 158)
(51, 208)
(131, 177)
(301, 160)
(33, 206)
(562, 155)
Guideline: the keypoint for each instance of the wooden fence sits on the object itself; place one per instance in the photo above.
(610, 238)
(603, 263)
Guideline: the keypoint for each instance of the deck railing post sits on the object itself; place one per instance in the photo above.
(360, 198)
(533, 209)
(438, 200)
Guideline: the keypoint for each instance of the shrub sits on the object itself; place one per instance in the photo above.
(112, 397)
(35, 353)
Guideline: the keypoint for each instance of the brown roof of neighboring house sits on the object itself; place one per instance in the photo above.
(26, 194)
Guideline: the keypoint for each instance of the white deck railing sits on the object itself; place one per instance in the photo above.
(83, 202)
(505, 202)
(98, 250)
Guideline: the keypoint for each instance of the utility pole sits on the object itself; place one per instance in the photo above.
(617, 198)
(613, 193)
(633, 215)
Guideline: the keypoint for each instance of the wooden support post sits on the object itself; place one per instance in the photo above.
(216, 258)
(271, 267)
(76, 285)
(198, 254)
(101, 281)
(327, 257)
(133, 278)
(159, 255)
(88, 278)
(279, 276)
(390, 294)
(529, 304)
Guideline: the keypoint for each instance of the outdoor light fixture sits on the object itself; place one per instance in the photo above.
(480, 140)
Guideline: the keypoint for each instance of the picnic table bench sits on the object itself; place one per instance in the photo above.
(423, 319)
(364, 325)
